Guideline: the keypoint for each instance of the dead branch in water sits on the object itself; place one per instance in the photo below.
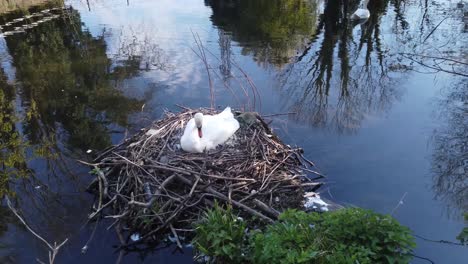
(202, 55)
(244, 78)
(53, 249)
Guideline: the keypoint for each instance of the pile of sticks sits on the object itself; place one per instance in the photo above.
(151, 187)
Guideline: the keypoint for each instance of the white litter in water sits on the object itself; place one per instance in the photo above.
(89, 151)
(84, 249)
(313, 200)
(38, 187)
(135, 237)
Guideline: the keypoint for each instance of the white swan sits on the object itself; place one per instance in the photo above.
(205, 132)
(362, 12)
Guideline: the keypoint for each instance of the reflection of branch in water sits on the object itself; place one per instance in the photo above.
(140, 46)
(224, 41)
(438, 64)
(450, 156)
(241, 78)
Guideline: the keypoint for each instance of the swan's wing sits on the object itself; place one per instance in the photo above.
(217, 130)
(225, 114)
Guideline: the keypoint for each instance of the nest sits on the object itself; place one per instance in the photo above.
(153, 188)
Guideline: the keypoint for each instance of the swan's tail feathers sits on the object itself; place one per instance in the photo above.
(227, 109)
(226, 113)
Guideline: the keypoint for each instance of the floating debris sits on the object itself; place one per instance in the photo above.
(89, 151)
(314, 202)
(135, 237)
(84, 249)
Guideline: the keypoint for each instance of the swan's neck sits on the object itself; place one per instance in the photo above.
(363, 4)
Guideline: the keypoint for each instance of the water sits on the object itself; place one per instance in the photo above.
(377, 123)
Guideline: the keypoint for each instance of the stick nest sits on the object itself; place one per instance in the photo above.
(152, 187)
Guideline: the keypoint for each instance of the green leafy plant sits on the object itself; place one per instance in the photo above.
(346, 236)
(290, 240)
(463, 236)
(362, 236)
(221, 235)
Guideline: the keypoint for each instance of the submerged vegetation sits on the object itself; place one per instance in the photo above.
(350, 235)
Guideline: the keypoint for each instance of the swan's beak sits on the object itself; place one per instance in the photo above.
(200, 134)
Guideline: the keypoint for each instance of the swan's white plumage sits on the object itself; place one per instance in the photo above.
(216, 129)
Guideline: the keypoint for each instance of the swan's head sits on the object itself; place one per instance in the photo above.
(198, 123)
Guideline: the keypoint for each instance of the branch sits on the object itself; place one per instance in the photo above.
(53, 250)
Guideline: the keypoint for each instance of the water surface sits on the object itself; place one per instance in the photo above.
(374, 120)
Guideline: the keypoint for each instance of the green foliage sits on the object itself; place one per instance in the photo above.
(463, 236)
(346, 236)
(285, 242)
(221, 234)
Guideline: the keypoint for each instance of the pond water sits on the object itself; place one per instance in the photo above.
(373, 105)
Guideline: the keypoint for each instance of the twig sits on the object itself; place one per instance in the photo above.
(436, 68)
(223, 197)
(272, 212)
(433, 30)
(202, 56)
(399, 203)
(280, 114)
(423, 258)
(174, 232)
(434, 57)
(53, 248)
(439, 241)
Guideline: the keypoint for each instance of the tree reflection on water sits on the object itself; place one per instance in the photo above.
(270, 31)
(450, 156)
(64, 98)
(343, 76)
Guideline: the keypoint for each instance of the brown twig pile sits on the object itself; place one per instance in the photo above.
(153, 188)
